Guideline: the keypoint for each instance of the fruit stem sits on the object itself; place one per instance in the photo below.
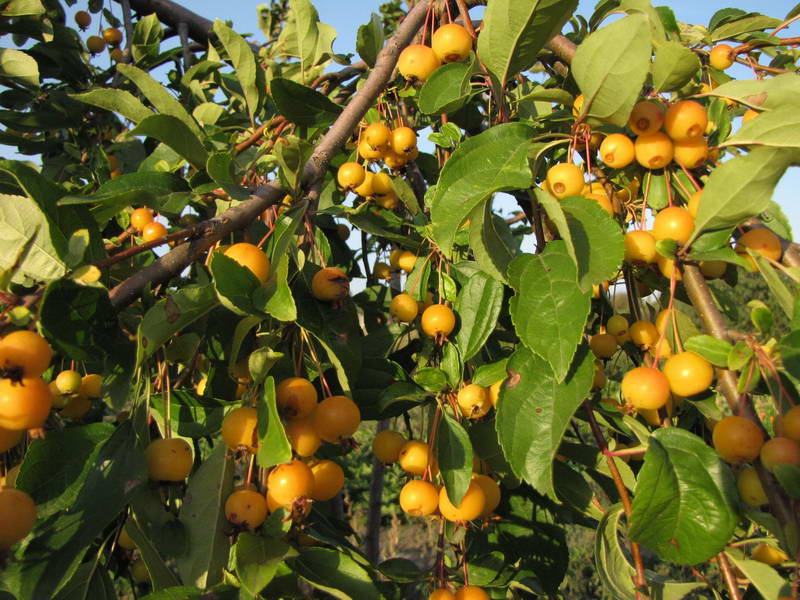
(728, 576)
(639, 580)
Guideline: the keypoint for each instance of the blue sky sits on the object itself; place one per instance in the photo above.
(347, 15)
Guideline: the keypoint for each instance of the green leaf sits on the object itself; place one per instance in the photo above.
(454, 453)
(535, 410)
(752, 22)
(740, 188)
(203, 514)
(91, 580)
(257, 560)
(490, 251)
(301, 33)
(514, 31)
(164, 102)
(478, 307)
(78, 319)
(19, 65)
(234, 283)
(615, 572)
(302, 105)
(55, 467)
(369, 40)
(273, 445)
(788, 475)
(22, 8)
(790, 353)
(685, 505)
(275, 296)
(674, 66)
(495, 160)
(334, 572)
(169, 316)
(611, 65)
(403, 190)
(447, 89)
(777, 285)
(119, 101)
(555, 212)
(147, 36)
(160, 575)
(174, 133)
(59, 541)
(147, 187)
(776, 128)
(549, 308)
(770, 93)
(597, 239)
(192, 416)
(30, 243)
(714, 350)
(244, 64)
(763, 577)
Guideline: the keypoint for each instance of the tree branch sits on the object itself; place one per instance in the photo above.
(171, 13)
(172, 263)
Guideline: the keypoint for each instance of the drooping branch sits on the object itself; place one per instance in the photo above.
(238, 217)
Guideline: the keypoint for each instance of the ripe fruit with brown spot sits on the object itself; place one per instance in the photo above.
(645, 387)
(403, 140)
(153, 231)
(169, 459)
(688, 373)
(95, 44)
(419, 498)
(646, 118)
(564, 179)
(386, 446)
(141, 217)
(737, 439)
(685, 120)
(721, 57)
(303, 437)
(473, 400)
(491, 491)
(691, 154)
(603, 345)
(246, 508)
(761, 241)
(640, 247)
(290, 481)
(790, 424)
(25, 351)
(750, 488)
(779, 451)
(470, 507)
(471, 592)
(350, 175)
(367, 152)
(239, 429)
(769, 554)
(451, 43)
(250, 257)
(112, 36)
(406, 261)
(330, 284)
(336, 419)
(414, 457)
(417, 62)
(68, 382)
(673, 223)
(438, 319)
(296, 397)
(654, 150)
(24, 404)
(328, 480)
(404, 308)
(617, 151)
(17, 516)
(83, 19)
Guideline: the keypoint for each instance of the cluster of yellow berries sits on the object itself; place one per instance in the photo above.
(143, 221)
(449, 43)
(308, 423)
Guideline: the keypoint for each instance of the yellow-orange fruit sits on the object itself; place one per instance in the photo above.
(24, 404)
(290, 481)
(417, 62)
(386, 446)
(565, 179)
(779, 451)
(26, 351)
(141, 217)
(646, 118)
(688, 373)
(414, 457)
(645, 387)
(246, 507)
(296, 397)
(654, 150)
(251, 257)
(750, 488)
(153, 231)
(737, 439)
(721, 57)
(239, 429)
(336, 418)
(419, 498)
(473, 400)
(328, 480)
(438, 319)
(491, 491)
(451, 43)
(685, 120)
(17, 516)
(617, 150)
(691, 154)
(470, 507)
(640, 247)
(330, 284)
(169, 459)
(404, 308)
(303, 436)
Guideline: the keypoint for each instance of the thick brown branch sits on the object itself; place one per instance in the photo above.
(172, 263)
(171, 13)
(562, 47)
